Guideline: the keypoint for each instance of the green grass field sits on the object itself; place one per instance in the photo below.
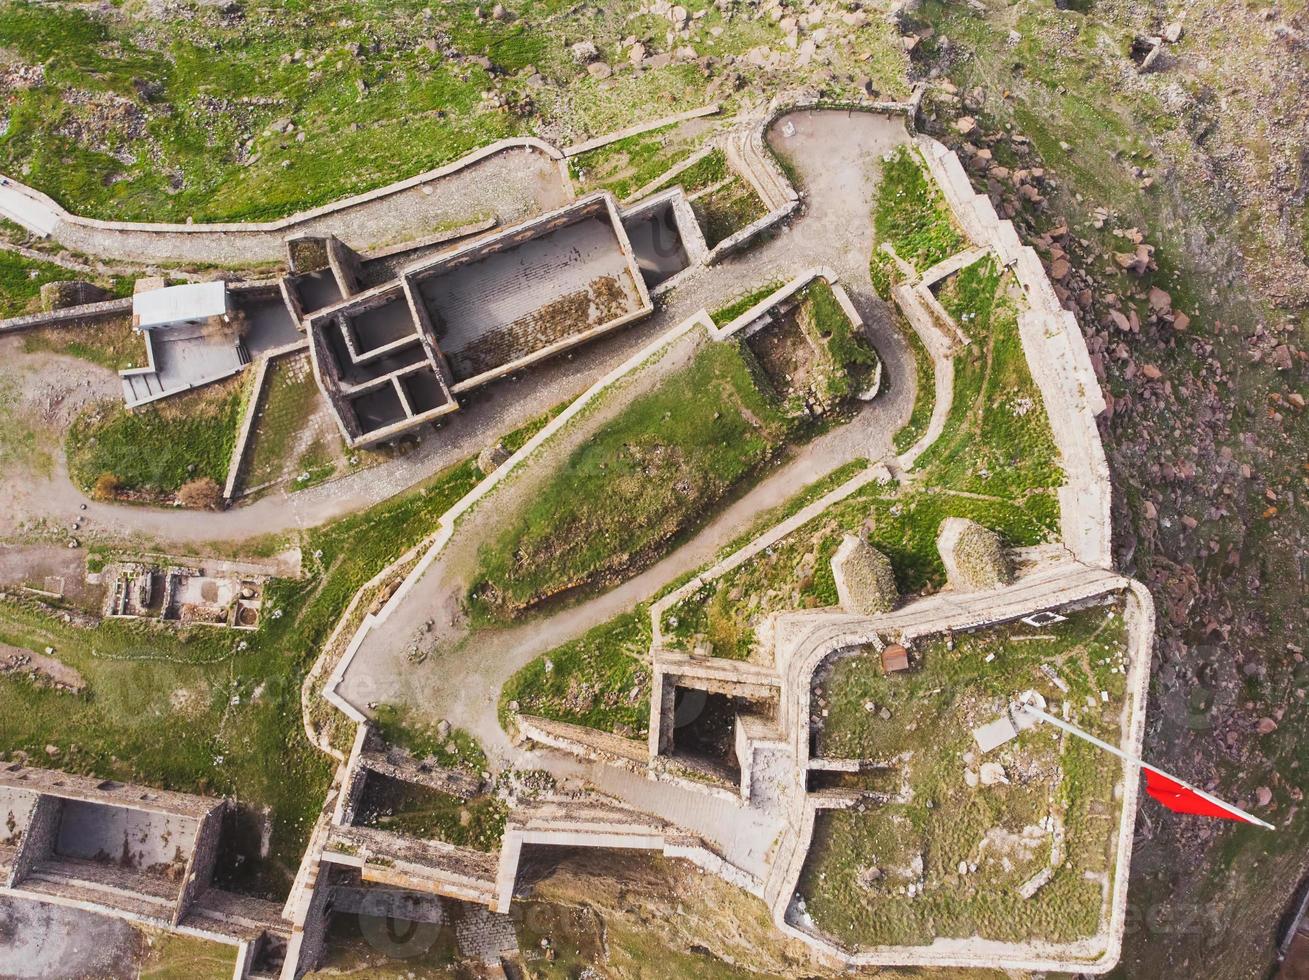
(704, 173)
(995, 462)
(21, 280)
(725, 211)
(600, 680)
(172, 956)
(457, 749)
(997, 440)
(115, 344)
(429, 814)
(160, 118)
(726, 314)
(629, 164)
(290, 397)
(645, 478)
(154, 450)
(860, 862)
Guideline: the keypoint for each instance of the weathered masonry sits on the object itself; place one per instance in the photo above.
(395, 356)
(142, 854)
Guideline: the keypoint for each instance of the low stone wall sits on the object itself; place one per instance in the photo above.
(579, 740)
(783, 293)
(257, 395)
(69, 316)
(739, 240)
(285, 226)
(200, 867)
(1054, 586)
(645, 127)
(432, 546)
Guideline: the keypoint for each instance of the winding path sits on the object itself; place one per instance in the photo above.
(835, 154)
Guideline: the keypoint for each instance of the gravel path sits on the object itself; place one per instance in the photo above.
(39, 940)
(513, 184)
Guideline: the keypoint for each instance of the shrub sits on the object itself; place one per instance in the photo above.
(106, 487)
(201, 494)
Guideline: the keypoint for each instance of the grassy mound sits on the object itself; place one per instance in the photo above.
(646, 477)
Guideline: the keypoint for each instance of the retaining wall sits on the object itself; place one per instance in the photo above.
(1056, 355)
(646, 127)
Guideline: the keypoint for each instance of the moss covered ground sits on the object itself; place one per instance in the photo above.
(890, 874)
(153, 450)
(995, 462)
(629, 164)
(726, 209)
(429, 814)
(456, 749)
(910, 213)
(600, 680)
(114, 344)
(289, 401)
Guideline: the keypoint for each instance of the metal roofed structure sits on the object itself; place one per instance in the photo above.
(192, 302)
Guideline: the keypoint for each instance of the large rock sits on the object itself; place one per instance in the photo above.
(865, 580)
(973, 556)
(490, 458)
(71, 292)
(584, 52)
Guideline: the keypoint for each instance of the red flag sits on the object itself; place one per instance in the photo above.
(1182, 799)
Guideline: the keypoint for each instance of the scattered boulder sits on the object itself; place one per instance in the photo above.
(865, 580)
(584, 52)
(973, 555)
(490, 458)
(992, 773)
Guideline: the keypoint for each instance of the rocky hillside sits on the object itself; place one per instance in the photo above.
(1156, 155)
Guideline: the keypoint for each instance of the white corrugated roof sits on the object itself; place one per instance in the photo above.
(173, 304)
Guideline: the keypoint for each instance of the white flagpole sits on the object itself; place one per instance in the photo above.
(1036, 712)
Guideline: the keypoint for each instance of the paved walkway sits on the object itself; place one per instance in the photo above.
(834, 230)
(497, 408)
